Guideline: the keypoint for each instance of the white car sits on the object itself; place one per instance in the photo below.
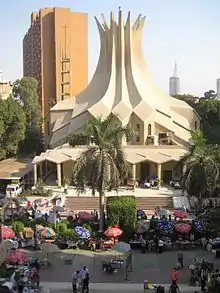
(13, 190)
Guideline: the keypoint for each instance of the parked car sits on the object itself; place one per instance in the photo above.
(13, 190)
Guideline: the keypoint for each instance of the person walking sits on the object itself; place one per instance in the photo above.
(85, 287)
(76, 281)
(180, 259)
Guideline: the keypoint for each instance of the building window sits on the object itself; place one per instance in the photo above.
(196, 125)
(138, 138)
(149, 129)
(138, 127)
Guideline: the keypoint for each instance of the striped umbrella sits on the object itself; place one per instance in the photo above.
(142, 227)
(46, 232)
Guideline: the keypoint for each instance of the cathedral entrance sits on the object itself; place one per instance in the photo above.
(145, 171)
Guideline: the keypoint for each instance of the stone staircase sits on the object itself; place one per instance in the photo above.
(89, 203)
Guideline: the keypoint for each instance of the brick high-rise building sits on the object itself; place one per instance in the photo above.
(55, 52)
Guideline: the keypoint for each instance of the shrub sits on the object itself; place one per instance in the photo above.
(18, 226)
(61, 228)
(87, 226)
(121, 210)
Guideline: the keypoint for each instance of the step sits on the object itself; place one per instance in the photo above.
(92, 203)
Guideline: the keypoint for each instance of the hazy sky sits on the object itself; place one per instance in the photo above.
(187, 31)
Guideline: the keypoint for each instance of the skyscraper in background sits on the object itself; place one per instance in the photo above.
(218, 88)
(174, 82)
(55, 52)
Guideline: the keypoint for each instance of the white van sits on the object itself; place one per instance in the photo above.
(13, 190)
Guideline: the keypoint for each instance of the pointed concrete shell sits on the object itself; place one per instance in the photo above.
(122, 84)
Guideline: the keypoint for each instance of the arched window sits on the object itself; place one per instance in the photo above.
(149, 129)
(195, 124)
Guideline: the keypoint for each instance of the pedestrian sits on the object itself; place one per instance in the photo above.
(85, 287)
(175, 275)
(75, 281)
(174, 288)
(180, 259)
(203, 277)
(143, 245)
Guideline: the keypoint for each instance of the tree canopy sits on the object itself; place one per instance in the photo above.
(12, 127)
(201, 167)
(26, 91)
(20, 120)
(208, 108)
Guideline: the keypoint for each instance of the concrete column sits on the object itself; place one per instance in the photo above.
(41, 171)
(133, 172)
(159, 174)
(35, 173)
(59, 181)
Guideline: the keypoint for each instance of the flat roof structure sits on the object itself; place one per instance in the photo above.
(15, 168)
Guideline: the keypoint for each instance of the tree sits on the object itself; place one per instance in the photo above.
(103, 164)
(208, 108)
(121, 210)
(189, 99)
(12, 127)
(25, 90)
(201, 170)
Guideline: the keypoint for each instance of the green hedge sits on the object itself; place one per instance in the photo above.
(121, 210)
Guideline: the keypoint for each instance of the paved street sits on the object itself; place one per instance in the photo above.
(153, 267)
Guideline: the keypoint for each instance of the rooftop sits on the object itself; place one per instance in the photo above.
(15, 168)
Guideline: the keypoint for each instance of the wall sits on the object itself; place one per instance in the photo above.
(67, 169)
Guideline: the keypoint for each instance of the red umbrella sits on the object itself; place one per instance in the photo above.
(7, 233)
(85, 216)
(180, 214)
(114, 231)
(15, 256)
(182, 228)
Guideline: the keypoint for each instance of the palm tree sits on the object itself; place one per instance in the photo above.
(103, 164)
(201, 169)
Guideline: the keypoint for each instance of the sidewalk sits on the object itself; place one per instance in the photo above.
(117, 287)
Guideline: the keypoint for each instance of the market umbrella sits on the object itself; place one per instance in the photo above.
(38, 227)
(15, 256)
(165, 225)
(29, 232)
(58, 209)
(114, 231)
(7, 232)
(162, 212)
(46, 232)
(85, 216)
(142, 227)
(41, 201)
(180, 214)
(82, 232)
(49, 247)
(182, 228)
(122, 247)
(140, 213)
(198, 225)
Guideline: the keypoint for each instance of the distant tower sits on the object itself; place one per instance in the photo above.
(218, 88)
(174, 83)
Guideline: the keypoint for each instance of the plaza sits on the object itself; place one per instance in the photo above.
(156, 268)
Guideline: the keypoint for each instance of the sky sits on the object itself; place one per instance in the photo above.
(186, 31)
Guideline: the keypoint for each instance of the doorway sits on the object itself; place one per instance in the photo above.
(167, 176)
(145, 171)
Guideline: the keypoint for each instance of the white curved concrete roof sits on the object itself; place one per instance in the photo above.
(122, 84)
(134, 154)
